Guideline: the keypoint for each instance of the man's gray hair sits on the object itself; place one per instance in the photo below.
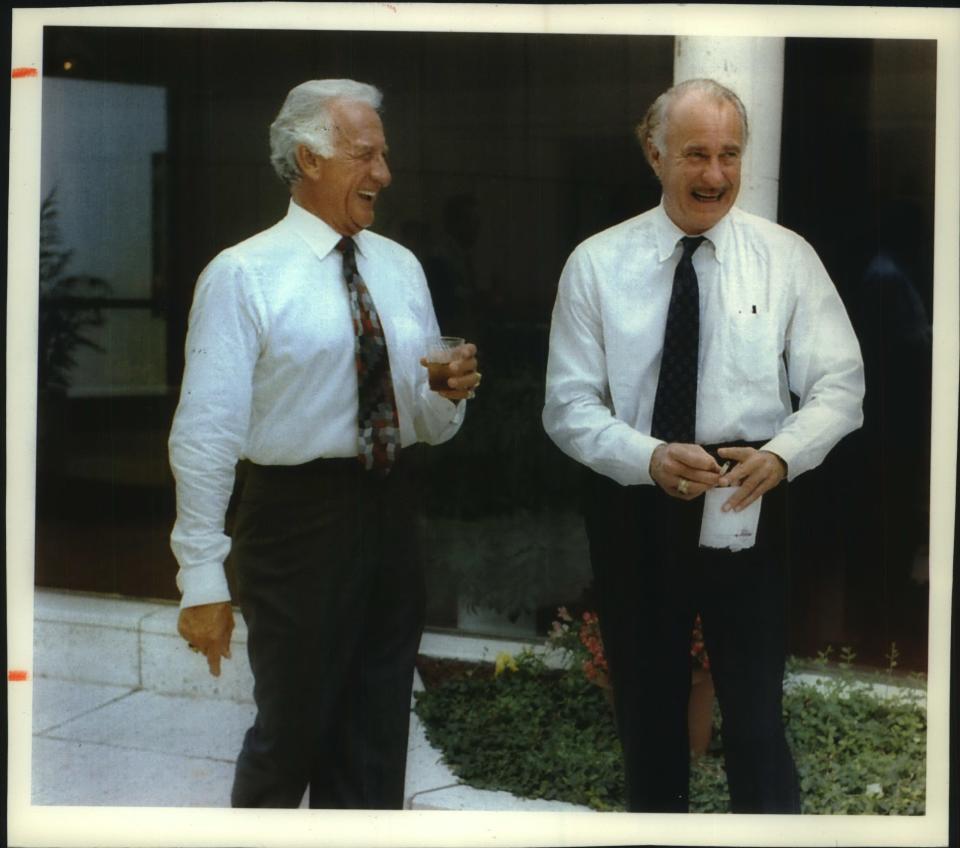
(654, 123)
(304, 119)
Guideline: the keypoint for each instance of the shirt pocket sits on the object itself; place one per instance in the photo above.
(752, 349)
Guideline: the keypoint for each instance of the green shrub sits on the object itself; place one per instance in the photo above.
(857, 752)
(535, 733)
(546, 734)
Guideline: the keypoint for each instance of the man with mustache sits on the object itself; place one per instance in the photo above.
(677, 339)
(304, 360)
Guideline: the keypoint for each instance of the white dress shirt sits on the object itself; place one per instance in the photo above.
(270, 373)
(771, 322)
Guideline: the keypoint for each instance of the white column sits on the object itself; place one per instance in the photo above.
(753, 68)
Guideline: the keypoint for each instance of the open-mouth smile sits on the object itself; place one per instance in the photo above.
(707, 197)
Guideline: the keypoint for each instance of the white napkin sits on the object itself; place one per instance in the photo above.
(733, 530)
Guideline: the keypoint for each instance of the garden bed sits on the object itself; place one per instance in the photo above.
(435, 671)
(539, 733)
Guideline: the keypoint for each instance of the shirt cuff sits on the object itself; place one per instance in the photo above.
(784, 447)
(204, 584)
(630, 465)
(443, 408)
(645, 451)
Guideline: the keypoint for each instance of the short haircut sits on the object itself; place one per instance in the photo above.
(653, 127)
(304, 119)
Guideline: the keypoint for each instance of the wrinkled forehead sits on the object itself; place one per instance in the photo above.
(356, 123)
(700, 115)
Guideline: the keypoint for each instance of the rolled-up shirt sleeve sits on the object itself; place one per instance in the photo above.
(211, 423)
(577, 413)
(824, 367)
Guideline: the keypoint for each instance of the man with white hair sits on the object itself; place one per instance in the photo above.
(678, 337)
(304, 361)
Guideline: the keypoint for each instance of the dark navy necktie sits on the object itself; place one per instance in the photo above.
(378, 429)
(675, 407)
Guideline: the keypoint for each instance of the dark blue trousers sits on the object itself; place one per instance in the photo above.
(332, 593)
(652, 579)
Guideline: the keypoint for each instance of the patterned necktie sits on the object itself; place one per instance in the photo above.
(675, 408)
(378, 426)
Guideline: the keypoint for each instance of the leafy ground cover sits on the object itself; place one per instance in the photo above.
(542, 733)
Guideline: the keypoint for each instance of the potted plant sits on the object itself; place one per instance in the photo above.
(68, 309)
(68, 304)
(579, 639)
(700, 707)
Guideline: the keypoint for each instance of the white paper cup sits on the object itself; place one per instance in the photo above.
(735, 531)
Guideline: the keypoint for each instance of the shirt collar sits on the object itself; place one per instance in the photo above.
(719, 234)
(668, 234)
(317, 233)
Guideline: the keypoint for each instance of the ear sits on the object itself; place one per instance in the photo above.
(309, 162)
(653, 156)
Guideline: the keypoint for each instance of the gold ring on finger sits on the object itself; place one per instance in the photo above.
(682, 486)
(479, 376)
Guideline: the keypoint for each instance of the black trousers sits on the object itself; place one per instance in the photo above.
(652, 579)
(332, 593)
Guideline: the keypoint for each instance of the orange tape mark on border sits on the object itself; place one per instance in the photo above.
(16, 676)
(18, 73)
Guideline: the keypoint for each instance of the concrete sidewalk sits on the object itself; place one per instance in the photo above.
(125, 715)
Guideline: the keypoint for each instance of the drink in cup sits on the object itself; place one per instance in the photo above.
(440, 353)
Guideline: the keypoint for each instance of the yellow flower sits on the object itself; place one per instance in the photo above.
(504, 662)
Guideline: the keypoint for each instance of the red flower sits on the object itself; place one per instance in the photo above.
(582, 641)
